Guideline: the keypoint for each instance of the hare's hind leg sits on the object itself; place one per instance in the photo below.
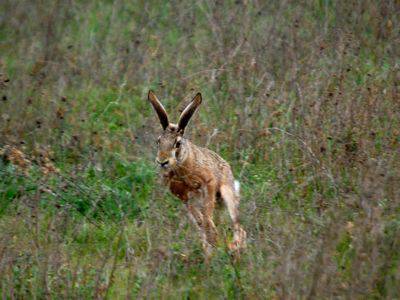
(231, 201)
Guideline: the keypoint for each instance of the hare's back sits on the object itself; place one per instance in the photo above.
(208, 159)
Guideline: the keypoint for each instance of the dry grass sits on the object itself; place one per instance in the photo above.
(302, 97)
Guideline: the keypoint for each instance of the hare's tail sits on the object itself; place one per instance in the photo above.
(237, 187)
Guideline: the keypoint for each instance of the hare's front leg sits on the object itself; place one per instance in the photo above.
(208, 206)
(197, 219)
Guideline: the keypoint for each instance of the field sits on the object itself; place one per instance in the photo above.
(301, 97)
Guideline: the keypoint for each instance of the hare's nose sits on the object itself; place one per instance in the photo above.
(163, 164)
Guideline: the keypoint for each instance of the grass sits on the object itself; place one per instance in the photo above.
(302, 98)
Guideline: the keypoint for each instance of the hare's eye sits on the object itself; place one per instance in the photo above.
(178, 144)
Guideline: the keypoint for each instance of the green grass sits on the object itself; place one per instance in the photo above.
(301, 98)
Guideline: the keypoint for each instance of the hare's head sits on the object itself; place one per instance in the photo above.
(170, 144)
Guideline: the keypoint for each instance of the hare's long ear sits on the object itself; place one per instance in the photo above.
(188, 112)
(160, 110)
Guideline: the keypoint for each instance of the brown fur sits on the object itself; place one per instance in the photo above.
(197, 176)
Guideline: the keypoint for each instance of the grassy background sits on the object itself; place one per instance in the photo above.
(301, 97)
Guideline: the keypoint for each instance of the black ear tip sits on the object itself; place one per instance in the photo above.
(199, 97)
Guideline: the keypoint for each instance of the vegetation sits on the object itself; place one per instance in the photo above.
(301, 97)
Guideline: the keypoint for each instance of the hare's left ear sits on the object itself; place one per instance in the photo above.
(188, 112)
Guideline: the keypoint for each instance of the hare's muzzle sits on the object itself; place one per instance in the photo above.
(163, 164)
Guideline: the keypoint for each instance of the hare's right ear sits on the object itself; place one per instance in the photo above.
(159, 108)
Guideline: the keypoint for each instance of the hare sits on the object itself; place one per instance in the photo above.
(197, 176)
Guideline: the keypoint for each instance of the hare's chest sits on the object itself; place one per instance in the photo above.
(183, 188)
